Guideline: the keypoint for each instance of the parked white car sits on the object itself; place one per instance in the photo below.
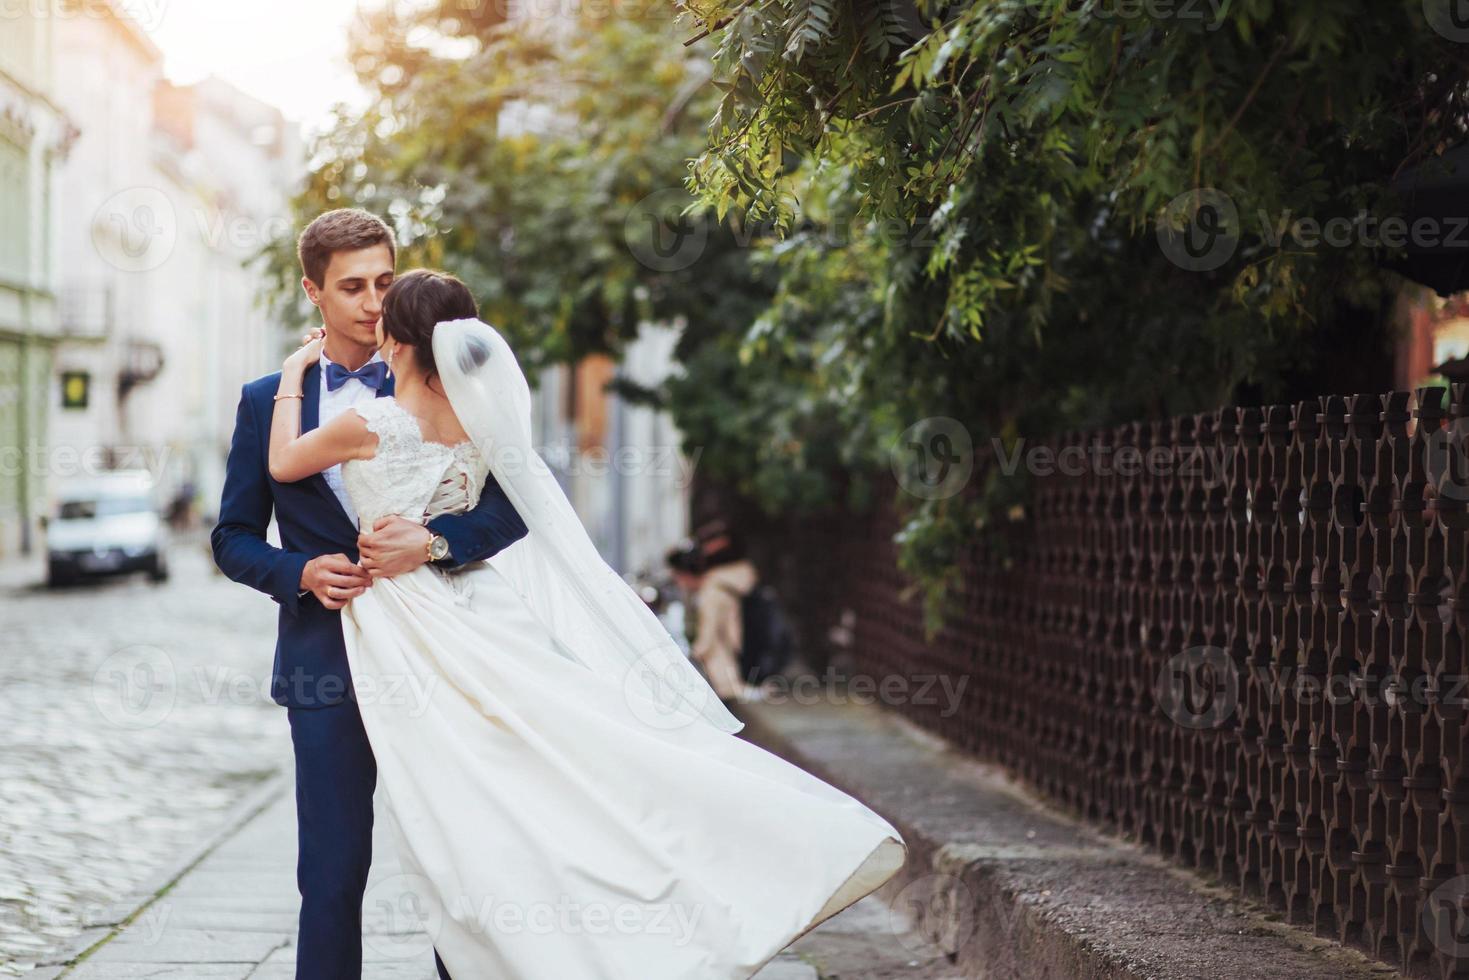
(105, 525)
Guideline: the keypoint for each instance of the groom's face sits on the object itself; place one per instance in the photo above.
(350, 296)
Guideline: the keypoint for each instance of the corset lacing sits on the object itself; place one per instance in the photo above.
(452, 496)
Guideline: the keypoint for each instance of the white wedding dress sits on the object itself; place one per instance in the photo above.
(549, 831)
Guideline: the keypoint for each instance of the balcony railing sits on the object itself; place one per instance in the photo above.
(141, 362)
(93, 312)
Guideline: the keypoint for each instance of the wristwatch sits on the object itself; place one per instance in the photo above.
(438, 548)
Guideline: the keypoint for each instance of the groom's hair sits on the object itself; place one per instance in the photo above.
(418, 301)
(342, 230)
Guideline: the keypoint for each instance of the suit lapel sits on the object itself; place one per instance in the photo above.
(311, 398)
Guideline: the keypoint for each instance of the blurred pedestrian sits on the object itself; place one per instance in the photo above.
(181, 506)
(714, 572)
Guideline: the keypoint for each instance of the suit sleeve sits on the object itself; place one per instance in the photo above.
(238, 540)
(488, 529)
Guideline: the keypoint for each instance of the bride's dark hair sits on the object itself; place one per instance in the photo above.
(418, 300)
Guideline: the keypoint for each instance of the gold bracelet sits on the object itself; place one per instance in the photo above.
(279, 397)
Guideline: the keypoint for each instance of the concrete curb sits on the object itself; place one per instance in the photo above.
(102, 929)
(1011, 889)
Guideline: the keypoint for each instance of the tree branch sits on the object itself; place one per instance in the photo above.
(1249, 97)
(719, 24)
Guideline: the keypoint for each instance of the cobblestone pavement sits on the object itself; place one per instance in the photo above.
(233, 917)
(135, 718)
(134, 715)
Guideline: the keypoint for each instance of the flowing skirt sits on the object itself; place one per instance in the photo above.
(549, 832)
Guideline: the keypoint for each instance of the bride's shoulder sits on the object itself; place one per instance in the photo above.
(376, 407)
(385, 416)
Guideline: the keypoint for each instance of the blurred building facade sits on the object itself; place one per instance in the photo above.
(1431, 330)
(654, 487)
(619, 463)
(34, 139)
(108, 223)
(130, 309)
(168, 194)
(229, 163)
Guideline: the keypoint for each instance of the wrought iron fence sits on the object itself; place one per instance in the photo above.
(1238, 637)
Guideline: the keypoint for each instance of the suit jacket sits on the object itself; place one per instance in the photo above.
(310, 669)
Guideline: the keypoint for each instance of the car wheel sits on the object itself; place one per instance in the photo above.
(56, 577)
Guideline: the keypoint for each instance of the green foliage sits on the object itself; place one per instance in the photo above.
(516, 162)
(1025, 150)
(945, 211)
(548, 221)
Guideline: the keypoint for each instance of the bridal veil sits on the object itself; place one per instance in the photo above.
(595, 617)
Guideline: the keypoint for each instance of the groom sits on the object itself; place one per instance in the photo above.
(347, 259)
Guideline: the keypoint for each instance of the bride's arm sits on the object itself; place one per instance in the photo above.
(294, 456)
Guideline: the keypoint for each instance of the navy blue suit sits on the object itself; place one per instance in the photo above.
(335, 770)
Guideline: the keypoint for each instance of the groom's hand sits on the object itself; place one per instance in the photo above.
(334, 579)
(394, 545)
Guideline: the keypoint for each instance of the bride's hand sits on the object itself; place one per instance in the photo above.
(306, 355)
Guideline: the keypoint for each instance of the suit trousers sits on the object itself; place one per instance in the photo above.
(335, 777)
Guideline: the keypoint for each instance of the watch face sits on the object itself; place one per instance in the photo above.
(439, 548)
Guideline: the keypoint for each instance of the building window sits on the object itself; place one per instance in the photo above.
(76, 388)
(15, 211)
(18, 44)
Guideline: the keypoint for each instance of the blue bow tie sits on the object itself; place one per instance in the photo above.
(373, 374)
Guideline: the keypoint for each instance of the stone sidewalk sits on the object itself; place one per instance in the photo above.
(230, 914)
(19, 571)
(996, 885)
(1010, 888)
(233, 916)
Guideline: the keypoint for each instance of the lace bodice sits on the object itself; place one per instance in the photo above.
(410, 476)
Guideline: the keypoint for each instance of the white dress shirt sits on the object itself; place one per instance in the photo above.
(332, 404)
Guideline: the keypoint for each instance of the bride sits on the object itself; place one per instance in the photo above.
(572, 798)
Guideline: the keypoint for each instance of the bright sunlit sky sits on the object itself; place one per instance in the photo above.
(289, 53)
